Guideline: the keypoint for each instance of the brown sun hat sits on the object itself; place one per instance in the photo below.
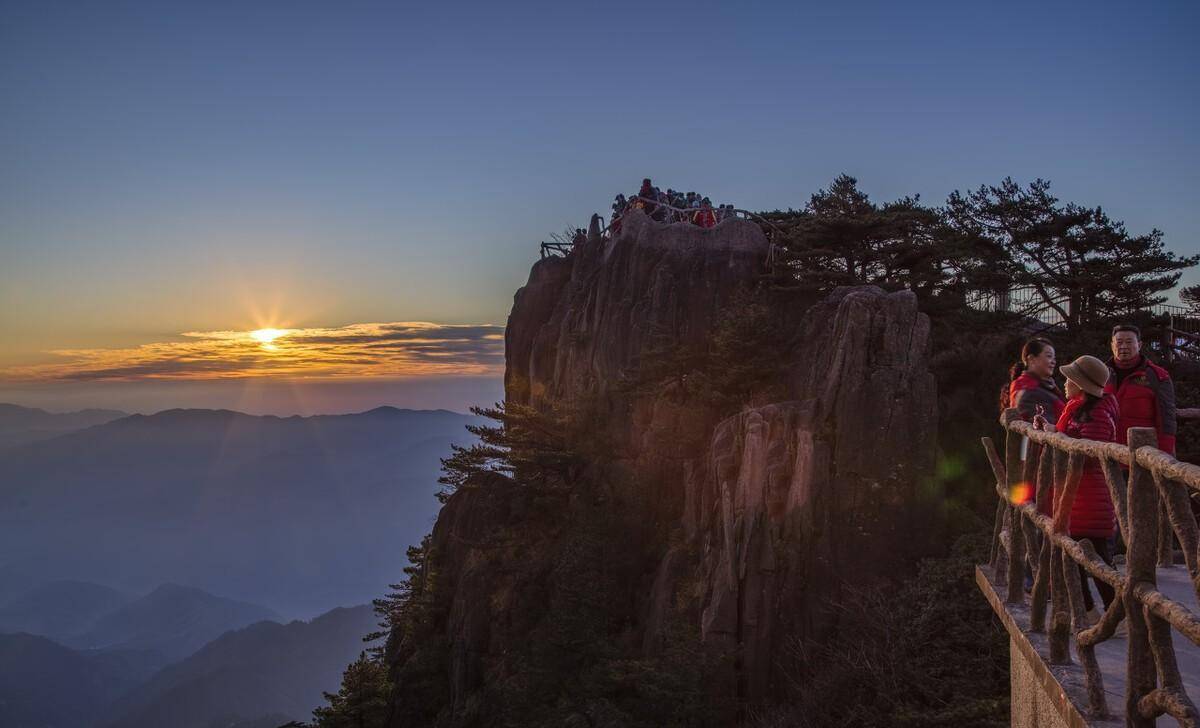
(1089, 373)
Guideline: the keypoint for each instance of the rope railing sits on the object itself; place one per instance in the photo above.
(1149, 491)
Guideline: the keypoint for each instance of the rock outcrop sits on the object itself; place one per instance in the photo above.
(796, 500)
(747, 524)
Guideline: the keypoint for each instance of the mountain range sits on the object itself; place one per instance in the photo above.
(263, 670)
(302, 514)
(177, 656)
(22, 425)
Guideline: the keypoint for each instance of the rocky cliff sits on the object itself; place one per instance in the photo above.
(737, 525)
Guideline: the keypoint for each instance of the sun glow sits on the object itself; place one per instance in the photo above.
(360, 350)
(266, 336)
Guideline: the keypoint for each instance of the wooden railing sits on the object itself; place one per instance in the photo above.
(1150, 492)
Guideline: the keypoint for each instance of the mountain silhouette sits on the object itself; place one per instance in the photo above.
(22, 425)
(60, 609)
(172, 620)
(298, 513)
(261, 672)
(43, 683)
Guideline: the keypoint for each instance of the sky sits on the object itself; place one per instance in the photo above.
(373, 178)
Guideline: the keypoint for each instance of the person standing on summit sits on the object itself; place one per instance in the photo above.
(1143, 389)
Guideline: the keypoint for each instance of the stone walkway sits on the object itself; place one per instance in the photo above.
(1175, 584)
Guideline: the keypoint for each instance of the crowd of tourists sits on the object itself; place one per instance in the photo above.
(670, 206)
(1101, 400)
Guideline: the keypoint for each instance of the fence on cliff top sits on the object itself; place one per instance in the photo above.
(561, 248)
(1150, 491)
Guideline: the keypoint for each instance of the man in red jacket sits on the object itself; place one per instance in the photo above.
(1143, 389)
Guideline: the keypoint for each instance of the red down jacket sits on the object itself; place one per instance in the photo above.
(1092, 513)
(1025, 393)
(1147, 399)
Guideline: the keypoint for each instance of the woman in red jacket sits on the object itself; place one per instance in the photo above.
(1033, 391)
(1031, 382)
(1093, 414)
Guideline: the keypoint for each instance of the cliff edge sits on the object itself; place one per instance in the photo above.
(748, 457)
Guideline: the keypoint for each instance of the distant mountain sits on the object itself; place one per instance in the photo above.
(299, 513)
(265, 672)
(172, 620)
(46, 685)
(60, 609)
(22, 425)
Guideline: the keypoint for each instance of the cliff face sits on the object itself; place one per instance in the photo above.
(747, 526)
(582, 323)
(796, 500)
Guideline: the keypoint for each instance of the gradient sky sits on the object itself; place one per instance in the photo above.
(201, 168)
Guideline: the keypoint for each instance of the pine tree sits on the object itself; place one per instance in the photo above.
(841, 238)
(536, 447)
(405, 610)
(1082, 264)
(362, 701)
(1190, 297)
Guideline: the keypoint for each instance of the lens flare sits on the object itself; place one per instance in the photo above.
(1020, 493)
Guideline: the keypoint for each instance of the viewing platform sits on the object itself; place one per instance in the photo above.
(1054, 695)
(1066, 671)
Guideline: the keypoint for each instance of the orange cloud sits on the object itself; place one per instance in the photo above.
(399, 349)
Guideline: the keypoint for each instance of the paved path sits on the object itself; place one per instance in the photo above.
(1175, 584)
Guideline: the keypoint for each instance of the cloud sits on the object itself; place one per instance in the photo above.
(398, 349)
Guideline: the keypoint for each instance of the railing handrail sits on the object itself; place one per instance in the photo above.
(564, 249)
(691, 210)
(1156, 482)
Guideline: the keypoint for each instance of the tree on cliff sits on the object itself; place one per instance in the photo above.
(842, 238)
(539, 446)
(405, 611)
(1079, 262)
(361, 702)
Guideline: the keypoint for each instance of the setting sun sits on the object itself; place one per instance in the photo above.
(266, 336)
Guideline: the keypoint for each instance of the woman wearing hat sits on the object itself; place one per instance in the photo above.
(1092, 414)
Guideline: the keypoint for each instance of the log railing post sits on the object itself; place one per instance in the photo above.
(1060, 563)
(1140, 560)
(1166, 539)
(1179, 513)
(1014, 471)
(1041, 580)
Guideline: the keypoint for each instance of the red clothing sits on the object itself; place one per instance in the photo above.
(1147, 399)
(705, 217)
(1027, 391)
(1092, 513)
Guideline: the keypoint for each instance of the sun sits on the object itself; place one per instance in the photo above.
(266, 336)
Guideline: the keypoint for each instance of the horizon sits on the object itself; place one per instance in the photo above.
(613, 364)
(124, 413)
(180, 177)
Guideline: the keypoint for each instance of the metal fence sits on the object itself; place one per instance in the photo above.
(1150, 491)
(1032, 302)
(1175, 333)
(678, 215)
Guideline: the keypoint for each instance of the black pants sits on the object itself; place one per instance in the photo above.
(1107, 593)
